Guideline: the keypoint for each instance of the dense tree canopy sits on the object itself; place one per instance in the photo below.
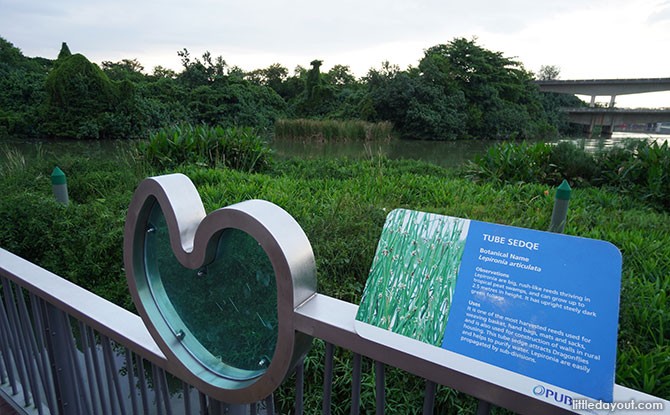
(458, 90)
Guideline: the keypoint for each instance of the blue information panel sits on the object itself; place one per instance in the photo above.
(540, 304)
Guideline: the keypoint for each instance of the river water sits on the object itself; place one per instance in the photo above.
(443, 153)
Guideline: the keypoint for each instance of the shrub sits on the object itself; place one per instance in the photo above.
(642, 169)
(514, 163)
(639, 168)
(238, 148)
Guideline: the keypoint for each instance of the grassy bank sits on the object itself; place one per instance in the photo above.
(342, 206)
(637, 168)
(332, 130)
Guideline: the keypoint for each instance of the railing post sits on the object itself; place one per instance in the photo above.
(429, 398)
(483, 408)
(327, 379)
(58, 345)
(299, 387)
(356, 385)
(380, 388)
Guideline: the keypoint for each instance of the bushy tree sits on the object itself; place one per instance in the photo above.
(548, 73)
(21, 90)
(81, 100)
(317, 98)
(500, 100)
(418, 108)
(125, 69)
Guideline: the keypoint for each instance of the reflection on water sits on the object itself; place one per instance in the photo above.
(443, 153)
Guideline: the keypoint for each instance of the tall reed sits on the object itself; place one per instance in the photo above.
(332, 130)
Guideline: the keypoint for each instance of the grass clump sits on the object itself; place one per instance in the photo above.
(239, 148)
(332, 130)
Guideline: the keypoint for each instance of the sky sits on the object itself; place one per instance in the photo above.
(592, 39)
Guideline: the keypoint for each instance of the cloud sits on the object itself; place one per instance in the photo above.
(661, 14)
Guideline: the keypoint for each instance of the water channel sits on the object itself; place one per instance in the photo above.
(443, 153)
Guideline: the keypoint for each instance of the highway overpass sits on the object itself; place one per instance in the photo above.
(605, 87)
(609, 117)
(615, 116)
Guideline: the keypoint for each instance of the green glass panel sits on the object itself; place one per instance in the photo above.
(225, 313)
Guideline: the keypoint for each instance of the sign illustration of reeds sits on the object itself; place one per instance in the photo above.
(413, 275)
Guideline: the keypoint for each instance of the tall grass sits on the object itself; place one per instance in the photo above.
(238, 148)
(332, 130)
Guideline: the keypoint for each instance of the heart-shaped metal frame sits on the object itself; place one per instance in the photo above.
(193, 238)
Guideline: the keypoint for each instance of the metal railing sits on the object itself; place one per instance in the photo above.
(65, 350)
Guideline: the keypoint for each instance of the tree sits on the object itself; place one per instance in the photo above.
(339, 75)
(21, 90)
(197, 72)
(317, 97)
(64, 52)
(130, 69)
(81, 101)
(161, 72)
(418, 107)
(500, 101)
(548, 73)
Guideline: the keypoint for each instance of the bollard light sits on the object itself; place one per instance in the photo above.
(560, 213)
(59, 183)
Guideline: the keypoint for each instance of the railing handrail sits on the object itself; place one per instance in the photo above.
(323, 317)
(115, 322)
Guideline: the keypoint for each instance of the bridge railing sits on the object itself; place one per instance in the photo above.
(65, 350)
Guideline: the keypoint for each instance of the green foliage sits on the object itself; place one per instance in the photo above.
(235, 147)
(331, 130)
(126, 69)
(459, 90)
(88, 233)
(341, 205)
(64, 52)
(500, 101)
(21, 91)
(548, 72)
(420, 109)
(640, 168)
(235, 103)
(317, 98)
(81, 101)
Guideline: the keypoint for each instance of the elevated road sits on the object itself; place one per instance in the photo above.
(607, 87)
(615, 116)
(609, 117)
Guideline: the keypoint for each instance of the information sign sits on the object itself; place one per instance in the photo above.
(540, 304)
